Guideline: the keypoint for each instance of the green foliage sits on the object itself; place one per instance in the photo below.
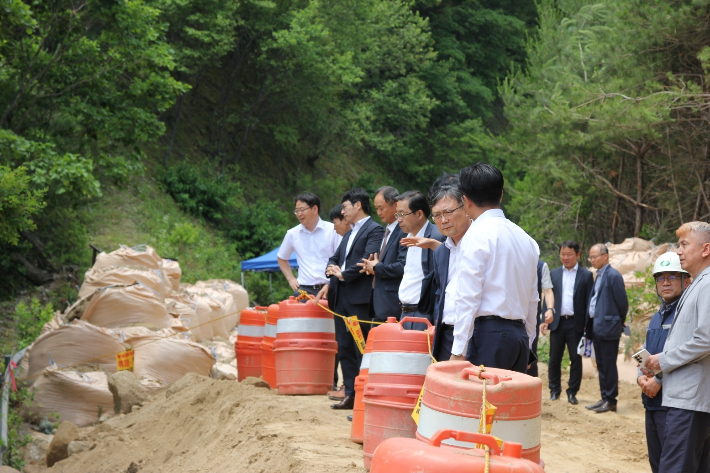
(257, 285)
(257, 229)
(16, 439)
(643, 299)
(29, 321)
(18, 203)
(201, 194)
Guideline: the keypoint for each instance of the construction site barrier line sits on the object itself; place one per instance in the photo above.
(305, 295)
(60, 368)
(305, 325)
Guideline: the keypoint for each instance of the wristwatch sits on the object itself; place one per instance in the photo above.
(552, 309)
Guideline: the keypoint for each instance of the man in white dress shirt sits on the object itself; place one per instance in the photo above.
(313, 240)
(495, 291)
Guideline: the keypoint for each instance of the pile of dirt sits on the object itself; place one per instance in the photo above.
(204, 425)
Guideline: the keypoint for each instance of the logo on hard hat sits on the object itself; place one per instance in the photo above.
(665, 263)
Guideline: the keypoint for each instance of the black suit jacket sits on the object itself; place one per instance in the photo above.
(441, 276)
(583, 286)
(356, 287)
(388, 276)
(612, 306)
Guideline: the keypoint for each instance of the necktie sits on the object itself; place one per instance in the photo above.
(382, 249)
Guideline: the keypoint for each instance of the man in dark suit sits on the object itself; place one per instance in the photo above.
(412, 214)
(572, 286)
(387, 265)
(453, 223)
(607, 316)
(354, 287)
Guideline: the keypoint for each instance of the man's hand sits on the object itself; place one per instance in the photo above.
(323, 293)
(294, 284)
(549, 316)
(652, 363)
(543, 329)
(650, 387)
(368, 265)
(421, 242)
(457, 358)
(332, 269)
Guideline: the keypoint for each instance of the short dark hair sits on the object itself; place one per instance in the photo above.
(571, 244)
(336, 212)
(417, 202)
(358, 195)
(389, 193)
(446, 185)
(482, 183)
(309, 198)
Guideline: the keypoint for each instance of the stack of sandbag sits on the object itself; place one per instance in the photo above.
(76, 397)
(206, 309)
(172, 270)
(182, 308)
(71, 344)
(121, 306)
(634, 255)
(168, 359)
(125, 276)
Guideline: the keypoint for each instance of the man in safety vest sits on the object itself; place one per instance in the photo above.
(671, 281)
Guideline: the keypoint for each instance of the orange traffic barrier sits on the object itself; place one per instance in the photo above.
(358, 425)
(398, 364)
(305, 348)
(399, 455)
(268, 361)
(248, 345)
(453, 396)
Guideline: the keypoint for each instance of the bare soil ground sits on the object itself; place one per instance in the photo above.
(209, 426)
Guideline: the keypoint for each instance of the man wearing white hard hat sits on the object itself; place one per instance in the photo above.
(671, 281)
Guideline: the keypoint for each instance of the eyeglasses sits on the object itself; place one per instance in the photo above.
(401, 216)
(670, 279)
(301, 210)
(445, 213)
(592, 258)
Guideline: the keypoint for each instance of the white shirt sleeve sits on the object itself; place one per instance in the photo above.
(287, 248)
(546, 280)
(472, 264)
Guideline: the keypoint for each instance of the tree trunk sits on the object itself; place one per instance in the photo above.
(32, 273)
(638, 225)
(616, 218)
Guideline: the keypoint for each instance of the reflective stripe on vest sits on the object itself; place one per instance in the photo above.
(256, 331)
(524, 431)
(365, 363)
(270, 331)
(305, 325)
(399, 362)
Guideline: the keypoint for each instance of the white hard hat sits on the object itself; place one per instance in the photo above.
(668, 263)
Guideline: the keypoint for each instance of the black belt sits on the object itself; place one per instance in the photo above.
(565, 317)
(483, 318)
(409, 307)
(447, 327)
(316, 287)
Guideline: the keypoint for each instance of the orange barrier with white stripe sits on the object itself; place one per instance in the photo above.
(452, 399)
(250, 334)
(268, 360)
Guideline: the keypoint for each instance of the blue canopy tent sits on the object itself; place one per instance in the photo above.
(268, 264)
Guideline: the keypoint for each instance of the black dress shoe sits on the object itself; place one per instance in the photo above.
(605, 407)
(554, 396)
(572, 398)
(595, 405)
(350, 418)
(346, 403)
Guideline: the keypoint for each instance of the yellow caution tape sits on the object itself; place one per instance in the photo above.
(354, 329)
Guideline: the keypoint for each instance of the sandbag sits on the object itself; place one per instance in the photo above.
(169, 359)
(184, 308)
(228, 316)
(143, 256)
(240, 295)
(74, 343)
(56, 322)
(120, 306)
(72, 396)
(125, 276)
(634, 255)
(173, 272)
